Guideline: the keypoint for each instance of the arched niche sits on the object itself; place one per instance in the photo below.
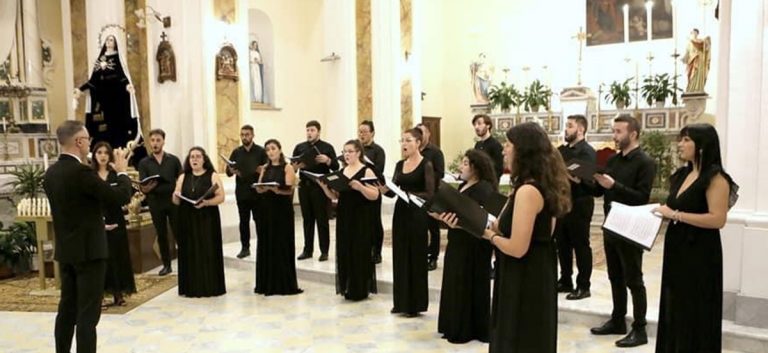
(262, 76)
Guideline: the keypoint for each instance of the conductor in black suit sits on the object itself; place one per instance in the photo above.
(77, 197)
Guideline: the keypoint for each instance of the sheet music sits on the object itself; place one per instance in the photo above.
(418, 201)
(636, 223)
(315, 175)
(399, 192)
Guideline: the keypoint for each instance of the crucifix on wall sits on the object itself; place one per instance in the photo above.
(582, 37)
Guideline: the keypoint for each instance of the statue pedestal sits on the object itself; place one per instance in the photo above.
(695, 105)
(576, 100)
(480, 108)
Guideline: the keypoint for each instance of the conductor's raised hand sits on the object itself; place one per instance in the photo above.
(120, 165)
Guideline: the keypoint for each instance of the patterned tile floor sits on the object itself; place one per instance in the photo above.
(315, 321)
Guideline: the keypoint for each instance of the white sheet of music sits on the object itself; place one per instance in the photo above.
(636, 223)
(399, 192)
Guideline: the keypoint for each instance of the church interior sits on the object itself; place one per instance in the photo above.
(200, 70)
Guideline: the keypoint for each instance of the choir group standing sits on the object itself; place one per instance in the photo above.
(547, 212)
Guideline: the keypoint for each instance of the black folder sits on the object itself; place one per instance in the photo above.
(307, 157)
(472, 217)
(146, 180)
(336, 181)
(208, 193)
(585, 170)
(495, 203)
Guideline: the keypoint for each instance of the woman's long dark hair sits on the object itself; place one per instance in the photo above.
(94, 162)
(707, 156)
(482, 165)
(280, 147)
(207, 165)
(536, 159)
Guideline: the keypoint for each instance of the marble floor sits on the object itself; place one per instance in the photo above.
(315, 321)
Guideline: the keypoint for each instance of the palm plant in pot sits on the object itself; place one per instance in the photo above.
(503, 97)
(657, 88)
(28, 182)
(537, 95)
(618, 94)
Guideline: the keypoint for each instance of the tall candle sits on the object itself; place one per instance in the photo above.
(649, 18)
(45, 161)
(674, 24)
(626, 23)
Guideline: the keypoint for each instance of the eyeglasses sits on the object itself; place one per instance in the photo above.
(90, 139)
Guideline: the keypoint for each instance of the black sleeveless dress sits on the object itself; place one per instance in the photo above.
(524, 305)
(201, 259)
(275, 245)
(465, 298)
(355, 271)
(119, 277)
(409, 242)
(691, 304)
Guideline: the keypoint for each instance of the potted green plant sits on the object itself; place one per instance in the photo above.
(17, 244)
(657, 88)
(618, 94)
(28, 182)
(537, 95)
(658, 147)
(504, 97)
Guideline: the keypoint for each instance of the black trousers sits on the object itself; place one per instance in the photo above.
(378, 228)
(247, 209)
(572, 236)
(433, 251)
(164, 214)
(314, 210)
(82, 288)
(625, 270)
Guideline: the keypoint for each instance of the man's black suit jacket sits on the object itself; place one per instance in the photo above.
(77, 196)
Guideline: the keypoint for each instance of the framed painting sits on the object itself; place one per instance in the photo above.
(605, 22)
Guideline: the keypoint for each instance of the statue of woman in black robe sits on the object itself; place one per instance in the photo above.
(111, 109)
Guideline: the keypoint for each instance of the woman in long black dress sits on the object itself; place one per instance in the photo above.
(119, 279)
(355, 270)
(691, 305)
(524, 304)
(201, 259)
(275, 264)
(465, 298)
(414, 175)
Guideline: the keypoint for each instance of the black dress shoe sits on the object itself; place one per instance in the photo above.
(578, 294)
(636, 337)
(564, 287)
(431, 265)
(166, 270)
(411, 315)
(244, 253)
(610, 328)
(304, 256)
(376, 259)
(323, 257)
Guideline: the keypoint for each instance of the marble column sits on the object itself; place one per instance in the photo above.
(33, 57)
(136, 39)
(80, 65)
(227, 94)
(741, 117)
(406, 51)
(386, 58)
(364, 66)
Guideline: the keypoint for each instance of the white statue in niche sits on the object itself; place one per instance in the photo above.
(257, 74)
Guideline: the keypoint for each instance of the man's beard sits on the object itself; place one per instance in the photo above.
(570, 138)
(247, 142)
(622, 144)
(481, 134)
